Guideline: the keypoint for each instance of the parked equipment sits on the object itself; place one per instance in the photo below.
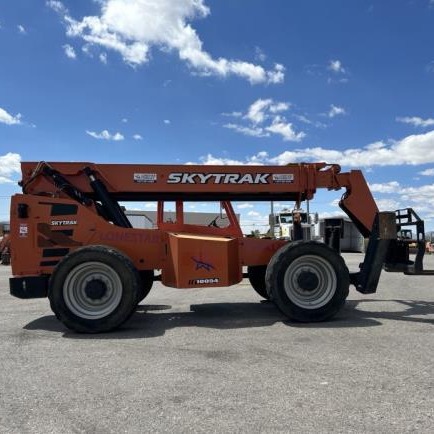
(5, 249)
(282, 223)
(72, 242)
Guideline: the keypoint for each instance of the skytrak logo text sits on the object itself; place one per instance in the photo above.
(218, 178)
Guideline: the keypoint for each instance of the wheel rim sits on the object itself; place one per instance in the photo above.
(310, 281)
(92, 290)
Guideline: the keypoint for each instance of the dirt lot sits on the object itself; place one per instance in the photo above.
(222, 360)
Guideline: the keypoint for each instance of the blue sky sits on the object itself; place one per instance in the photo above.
(246, 81)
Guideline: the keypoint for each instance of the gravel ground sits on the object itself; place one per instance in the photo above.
(222, 360)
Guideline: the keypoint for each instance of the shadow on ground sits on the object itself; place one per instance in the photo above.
(154, 320)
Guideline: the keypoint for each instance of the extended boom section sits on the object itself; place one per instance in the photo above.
(72, 241)
(126, 182)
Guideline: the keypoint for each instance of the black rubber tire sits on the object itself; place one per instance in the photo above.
(308, 281)
(110, 264)
(147, 277)
(256, 276)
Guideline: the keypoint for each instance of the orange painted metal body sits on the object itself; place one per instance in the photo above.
(54, 224)
(185, 255)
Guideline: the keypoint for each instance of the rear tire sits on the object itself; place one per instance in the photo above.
(308, 281)
(256, 275)
(147, 277)
(94, 289)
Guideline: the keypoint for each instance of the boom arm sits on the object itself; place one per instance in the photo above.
(292, 182)
(357, 201)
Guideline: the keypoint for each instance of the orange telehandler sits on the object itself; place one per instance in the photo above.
(71, 240)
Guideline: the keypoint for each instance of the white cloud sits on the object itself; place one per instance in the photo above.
(137, 137)
(259, 159)
(388, 204)
(57, 6)
(338, 74)
(263, 118)
(307, 121)
(260, 55)
(333, 71)
(275, 76)
(253, 214)
(10, 164)
(124, 120)
(247, 131)
(210, 160)
(21, 29)
(424, 193)
(336, 66)
(279, 107)
(416, 121)
(8, 119)
(420, 198)
(103, 58)
(244, 205)
(256, 112)
(388, 187)
(87, 49)
(233, 114)
(427, 172)
(331, 214)
(285, 130)
(304, 119)
(411, 150)
(69, 51)
(260, 110)
(167, 121)
(336, 111)
(120, 27)
(151, 206)
(105, 135)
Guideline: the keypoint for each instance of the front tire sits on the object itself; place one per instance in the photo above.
(308, 281)
(256, 276)
(94, 289)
